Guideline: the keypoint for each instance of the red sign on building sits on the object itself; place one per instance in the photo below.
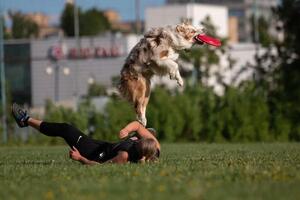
(57, 52)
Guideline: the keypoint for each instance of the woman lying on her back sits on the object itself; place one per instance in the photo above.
(142, 147)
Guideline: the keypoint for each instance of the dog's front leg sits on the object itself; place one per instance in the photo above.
(178, 78)
(173, 70)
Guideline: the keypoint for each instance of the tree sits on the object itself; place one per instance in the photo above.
(91, 22)
(263, 31)
(67, 19)
(278, 74)
(288, 90)
(22, 26)
(96, 89)
(6, 34)
(165, 115)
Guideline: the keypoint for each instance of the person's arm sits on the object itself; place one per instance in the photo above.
(75, 155)
(86, 161)
(140, 129)
(121, 158)
(133, 126)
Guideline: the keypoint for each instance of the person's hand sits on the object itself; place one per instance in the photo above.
(123, 133)
(74, 154)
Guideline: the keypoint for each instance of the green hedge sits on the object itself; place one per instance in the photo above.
(197, 114)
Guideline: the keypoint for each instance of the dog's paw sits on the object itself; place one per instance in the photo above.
(142, 120)
(172, 76)
(180, 82)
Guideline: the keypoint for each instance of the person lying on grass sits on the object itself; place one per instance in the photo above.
(143, 146)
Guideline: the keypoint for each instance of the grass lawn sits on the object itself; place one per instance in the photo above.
(185, 171)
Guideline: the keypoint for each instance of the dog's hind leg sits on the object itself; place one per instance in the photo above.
(145, 102)
(143, 111)
(140, 111)
(139, 96)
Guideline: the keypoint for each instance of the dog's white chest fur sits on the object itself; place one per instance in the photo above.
(173, 55)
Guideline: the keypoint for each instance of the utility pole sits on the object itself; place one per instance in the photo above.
(76, 34)
(76, 22)
(3, 88)
(137, 17)
(56, 82)
(255, 27)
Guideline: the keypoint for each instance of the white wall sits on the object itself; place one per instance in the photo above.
(130, 41)
(218, 16)
(164, 15)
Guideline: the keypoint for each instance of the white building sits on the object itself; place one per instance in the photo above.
(34, 77)
(54, 69)
(242, 10)
(174, 14)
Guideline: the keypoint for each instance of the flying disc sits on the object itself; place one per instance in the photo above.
(208, 40)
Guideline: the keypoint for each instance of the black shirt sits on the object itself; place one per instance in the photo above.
(107, 151)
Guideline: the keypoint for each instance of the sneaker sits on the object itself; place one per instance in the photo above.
(20, 115)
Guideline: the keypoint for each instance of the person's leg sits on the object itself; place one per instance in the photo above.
(70, 134)
(73, 137)
(35, 123)
(66, 131)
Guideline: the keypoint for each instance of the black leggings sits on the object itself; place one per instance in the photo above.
(73, 137)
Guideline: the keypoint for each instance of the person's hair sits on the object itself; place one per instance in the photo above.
(147, 148)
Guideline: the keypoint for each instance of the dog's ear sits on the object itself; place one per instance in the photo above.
(186, 22)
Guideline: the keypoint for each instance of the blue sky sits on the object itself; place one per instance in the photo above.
(53, 8)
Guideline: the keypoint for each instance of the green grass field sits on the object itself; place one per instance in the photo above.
(185, 171)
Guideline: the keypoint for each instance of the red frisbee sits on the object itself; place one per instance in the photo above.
(208, 40)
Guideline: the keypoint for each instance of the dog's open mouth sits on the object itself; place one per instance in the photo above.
(202, 38)
(199, 42)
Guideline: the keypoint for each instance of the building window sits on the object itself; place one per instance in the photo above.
(18, 71)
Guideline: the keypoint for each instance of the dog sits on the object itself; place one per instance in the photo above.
(155, 54)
